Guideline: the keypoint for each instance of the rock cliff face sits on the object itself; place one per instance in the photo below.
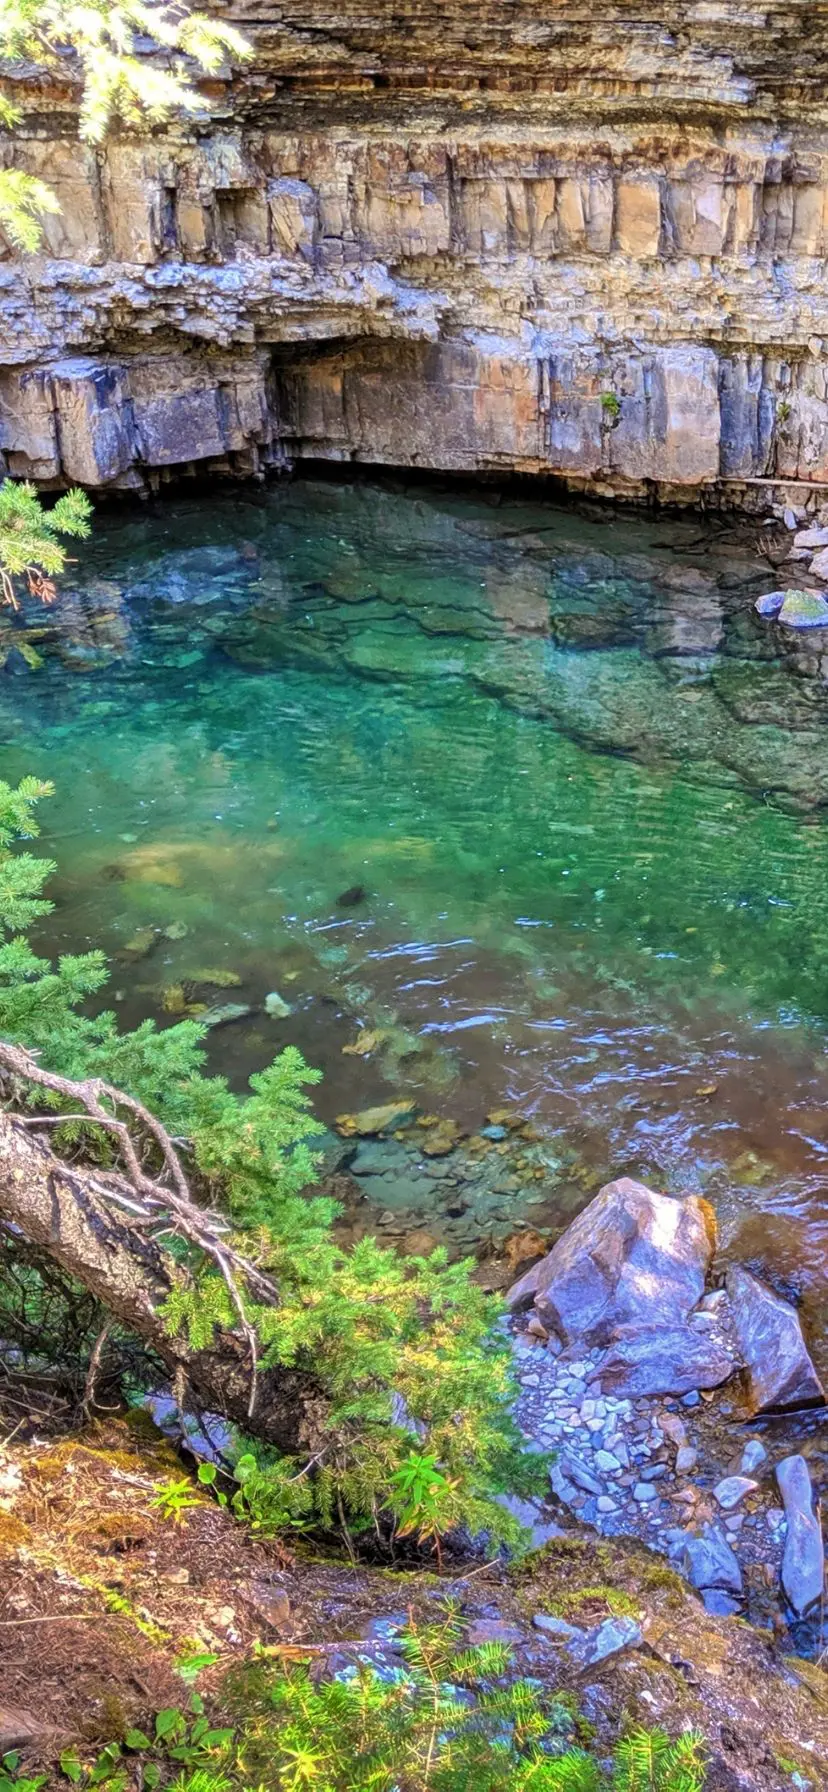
(530, 235)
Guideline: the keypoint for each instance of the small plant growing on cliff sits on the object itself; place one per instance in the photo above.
(31, 551)
(611, 407)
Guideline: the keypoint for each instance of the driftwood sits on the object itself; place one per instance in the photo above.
(106, 1228)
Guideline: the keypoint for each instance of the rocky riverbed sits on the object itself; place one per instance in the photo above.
(687, 1414)
(674, 1391)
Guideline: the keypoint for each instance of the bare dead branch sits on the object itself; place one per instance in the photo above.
(150, 1200)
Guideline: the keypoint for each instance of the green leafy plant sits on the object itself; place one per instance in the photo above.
(611, 406)
(31, 550)
(180, 1739)
(173, 1498)
(11, 1780)
(421, 1498)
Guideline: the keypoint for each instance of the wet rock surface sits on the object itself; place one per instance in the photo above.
(779, 1372)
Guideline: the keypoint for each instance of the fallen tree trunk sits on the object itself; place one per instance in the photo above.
(59, 1208)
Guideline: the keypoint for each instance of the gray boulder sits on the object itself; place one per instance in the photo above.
(666, 1359)
(779, 1372)
(532, 1515)
(707, 1560)
(632, 1258)
(803, 1561)
(770, 604)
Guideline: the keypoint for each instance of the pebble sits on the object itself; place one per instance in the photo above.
(605, 1504)
(753, 1455)
(605, 1460)
(686, 1459)
(730, 1492)
(644, 1491)
(580, 1473)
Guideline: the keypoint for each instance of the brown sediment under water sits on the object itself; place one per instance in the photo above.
(524, 803)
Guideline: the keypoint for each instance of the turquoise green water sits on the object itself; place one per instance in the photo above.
(578, 782)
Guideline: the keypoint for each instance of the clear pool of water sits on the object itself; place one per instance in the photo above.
(573, 790)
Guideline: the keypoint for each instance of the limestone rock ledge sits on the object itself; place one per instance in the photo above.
(503, 238)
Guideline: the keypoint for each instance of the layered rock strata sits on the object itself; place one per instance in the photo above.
(516, 238)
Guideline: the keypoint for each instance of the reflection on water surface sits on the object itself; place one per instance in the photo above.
(568, 785)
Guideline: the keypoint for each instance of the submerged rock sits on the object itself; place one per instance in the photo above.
(224, 1013)
(803, 1561)
(439, 1140)
(142, 942)
(664, 1359)
(276, 1006)
(633, 1258)
(779, 1372)
(375, 1120)
(352, 897)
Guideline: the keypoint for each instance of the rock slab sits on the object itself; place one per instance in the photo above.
(668, 1359)
(605, 1640)
(803, 1561)
(779, 1372)
(708, 1561)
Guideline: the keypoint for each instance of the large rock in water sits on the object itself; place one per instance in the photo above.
(779, 1373)
(633, 1258)
(803, 1561)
